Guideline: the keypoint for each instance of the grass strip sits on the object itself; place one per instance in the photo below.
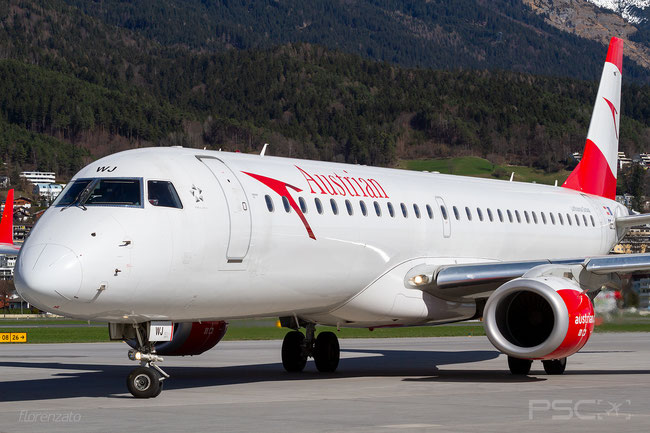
(85, 334)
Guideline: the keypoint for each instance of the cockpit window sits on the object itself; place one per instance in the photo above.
(103, 192)
(72, 192)
(163, 193)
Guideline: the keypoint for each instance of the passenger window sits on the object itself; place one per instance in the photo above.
(559, 215)
(456, 214)
(319, 206)
(416, 211)
(534, 217)
(269, 203)
(518, 216)
(404, 210)
(527, 217)
(500, 215)
(593, 223)
(509, 215)
(584, 219)
(391, 211)
(479, 213)
(335, 207)
(285, 202)
(163, 193)
(348, 206)
(377, 209)
(303, 204)
(364, 210)
(552, 217)
(575, 215)
(568, 219)
(543, 217)
(430, 212)
(490, 216)
(443, 211)
(469, 213)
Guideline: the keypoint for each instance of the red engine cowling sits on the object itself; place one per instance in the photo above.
(539, 318)
(191, 338)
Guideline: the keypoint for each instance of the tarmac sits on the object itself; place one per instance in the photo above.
(455, 384)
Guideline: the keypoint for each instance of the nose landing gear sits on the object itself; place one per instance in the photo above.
(145, 381)
(296, 348)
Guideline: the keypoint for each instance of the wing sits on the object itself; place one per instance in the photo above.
(476, 281)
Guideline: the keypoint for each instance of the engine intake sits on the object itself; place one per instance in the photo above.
(539, 318)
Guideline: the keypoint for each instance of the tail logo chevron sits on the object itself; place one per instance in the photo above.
(614, 113)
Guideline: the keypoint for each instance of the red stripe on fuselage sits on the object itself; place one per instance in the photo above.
(281, 188)
(593, 174)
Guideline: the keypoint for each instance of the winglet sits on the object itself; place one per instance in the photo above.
(7, 222)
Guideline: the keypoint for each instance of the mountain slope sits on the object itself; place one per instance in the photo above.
(589, 21)
(447, 34)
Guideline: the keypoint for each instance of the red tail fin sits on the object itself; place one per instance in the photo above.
(7, 222)
(596, 173)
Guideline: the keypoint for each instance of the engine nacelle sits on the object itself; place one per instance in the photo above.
(190, 338)
(539, 318)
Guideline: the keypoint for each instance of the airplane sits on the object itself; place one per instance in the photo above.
(168, 244)
(7, 245)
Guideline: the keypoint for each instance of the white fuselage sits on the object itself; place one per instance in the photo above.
(226, 255)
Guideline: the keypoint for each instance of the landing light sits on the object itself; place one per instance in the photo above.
(419, 280)
(135, 355)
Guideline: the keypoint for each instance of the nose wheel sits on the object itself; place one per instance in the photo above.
(297, 348)
(145, 381)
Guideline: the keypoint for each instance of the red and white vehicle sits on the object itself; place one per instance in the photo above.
(167, 244)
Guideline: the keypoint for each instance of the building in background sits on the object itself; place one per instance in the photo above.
(39, 176)
(49, 191)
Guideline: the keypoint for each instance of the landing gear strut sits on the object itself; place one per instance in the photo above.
(296, 348)
(145, 381)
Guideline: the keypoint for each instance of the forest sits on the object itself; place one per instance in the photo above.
(77, 84)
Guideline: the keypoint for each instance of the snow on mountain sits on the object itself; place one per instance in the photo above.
(627, 8)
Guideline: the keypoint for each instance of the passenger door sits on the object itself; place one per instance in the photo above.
(238, 209)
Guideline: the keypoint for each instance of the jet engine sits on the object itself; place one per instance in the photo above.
(539, 318)
(191, 338)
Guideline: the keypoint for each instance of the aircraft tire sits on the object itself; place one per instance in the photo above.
(520, 367)
(555, 366)
(293, 357)
(327, 352)
(144, 382)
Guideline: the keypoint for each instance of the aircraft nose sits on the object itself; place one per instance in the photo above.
(47, 274)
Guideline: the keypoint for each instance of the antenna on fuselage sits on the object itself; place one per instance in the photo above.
(555, 182)
(512, 176)
(264, 149)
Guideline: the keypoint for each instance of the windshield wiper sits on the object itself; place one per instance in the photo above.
(81, 198)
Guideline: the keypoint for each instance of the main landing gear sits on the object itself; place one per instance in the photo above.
(521, 367)
(296, 348)
(145, 381)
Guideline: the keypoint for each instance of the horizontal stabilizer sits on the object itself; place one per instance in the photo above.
(633, 220)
